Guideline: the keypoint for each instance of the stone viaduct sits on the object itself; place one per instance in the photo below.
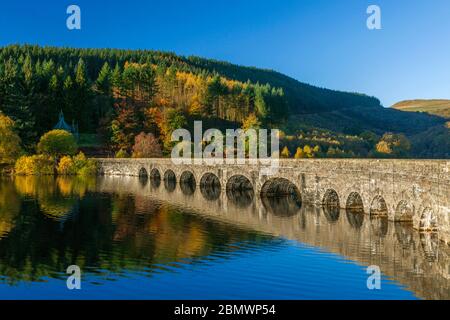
(416, 191)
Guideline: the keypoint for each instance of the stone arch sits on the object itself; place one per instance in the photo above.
(281, 197)
(187, 177)
(331, 198)
(143, 173)
(239, 182)
(210, 186)
(240, 191)
(428, 221)
(276, 187)
(170, 175)
(403, 212)
(170, 180)
(155, 174)
(143, 176)
(210, 179)
(378, 207)
(155, 178)
(187, 183)
(331, 205)
(354, 203)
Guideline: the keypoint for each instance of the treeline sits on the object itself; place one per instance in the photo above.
(121, 93)
(319, 143)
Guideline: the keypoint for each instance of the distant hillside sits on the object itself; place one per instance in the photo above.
(119, 93)
(439, 107)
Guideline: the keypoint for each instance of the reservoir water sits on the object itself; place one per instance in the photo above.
(144, 239)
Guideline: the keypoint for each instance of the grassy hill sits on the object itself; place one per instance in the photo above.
(438, 107)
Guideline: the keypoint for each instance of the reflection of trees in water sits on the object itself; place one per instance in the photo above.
(57, 197)
(9, 207)
(284, 206)
(120, 232)
(136, 232)
(57, 208)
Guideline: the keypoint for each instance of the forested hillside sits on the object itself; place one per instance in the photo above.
(117, 94)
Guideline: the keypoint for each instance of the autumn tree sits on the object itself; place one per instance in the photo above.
(251, 122)
(168, 121)
(394, 145)
(146, 146)
(9, 141)
(299, 154)
(124, 126)
(285, 153)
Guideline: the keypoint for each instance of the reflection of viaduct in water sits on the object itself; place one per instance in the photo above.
(401, 190)
(416, 260)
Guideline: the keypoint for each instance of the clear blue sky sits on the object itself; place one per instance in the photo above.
(325, 43)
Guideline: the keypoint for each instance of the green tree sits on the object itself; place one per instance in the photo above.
(103, 82)
(57, 143)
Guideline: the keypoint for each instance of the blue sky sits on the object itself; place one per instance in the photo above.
(322, 42)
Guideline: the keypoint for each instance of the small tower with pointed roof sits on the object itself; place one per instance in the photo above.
(62, 125)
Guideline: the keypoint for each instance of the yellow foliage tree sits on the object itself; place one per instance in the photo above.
(9, 141)
(251, 122)
(299, 154)
(308, 151)
(66, 166)
(285, 153)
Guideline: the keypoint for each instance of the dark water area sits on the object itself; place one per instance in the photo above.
(150, 239)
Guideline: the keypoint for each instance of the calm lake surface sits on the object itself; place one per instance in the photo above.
(149, 239)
